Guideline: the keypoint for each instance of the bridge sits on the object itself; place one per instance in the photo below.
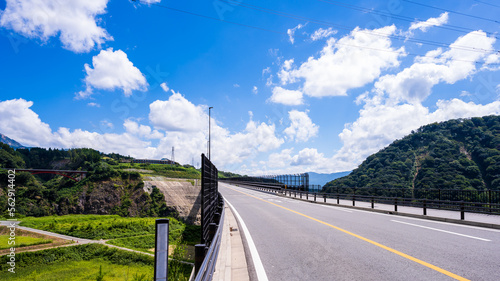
(269, 233)
(65, 173)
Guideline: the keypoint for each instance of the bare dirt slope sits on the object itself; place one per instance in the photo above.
(182, 194)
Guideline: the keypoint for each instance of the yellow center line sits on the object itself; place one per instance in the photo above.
(443, 271)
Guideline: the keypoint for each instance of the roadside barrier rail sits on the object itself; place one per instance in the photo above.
(462, 206)
(212, 218)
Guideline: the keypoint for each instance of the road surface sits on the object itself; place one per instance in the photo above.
(304, 241)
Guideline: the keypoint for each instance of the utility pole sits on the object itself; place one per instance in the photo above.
(209, 121)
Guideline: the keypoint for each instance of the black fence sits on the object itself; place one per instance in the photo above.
(212, 215)
(472, 195)
(472, 201)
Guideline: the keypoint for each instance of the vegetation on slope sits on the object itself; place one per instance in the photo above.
(457, 154)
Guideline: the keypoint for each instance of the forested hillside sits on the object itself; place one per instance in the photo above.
(456, 154)
(107, 189)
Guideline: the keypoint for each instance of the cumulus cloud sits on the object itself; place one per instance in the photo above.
(177, 114)
(143, 131)
(20, 122)
(255, 90)
(301, 127)
(425, 25)
(380, 125)
(351, 62)
(112, 70)
(307, 156)
(322, 33)
(414, 84)
(74, 21)
(286, 97)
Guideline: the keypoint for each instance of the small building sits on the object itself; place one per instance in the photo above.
(154, 161)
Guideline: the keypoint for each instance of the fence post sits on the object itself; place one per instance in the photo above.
(462, 210)
(489, 199)
(199, 256)
(354, 200)
(338, 198)
(425, 207)
(395, 204)
(307, 195)
(314, 197)
(372, 202)
(324, 197)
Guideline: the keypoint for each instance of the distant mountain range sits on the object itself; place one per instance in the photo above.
(322, 179)
(12, 143)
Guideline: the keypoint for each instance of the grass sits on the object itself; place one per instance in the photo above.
(141, 243)
(83, 262)
(80, 270)
(21, 241)
(101, 226)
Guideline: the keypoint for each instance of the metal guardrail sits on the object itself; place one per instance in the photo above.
(461, 206)
(212, 215)
(207, 268)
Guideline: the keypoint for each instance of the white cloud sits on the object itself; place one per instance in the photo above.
(177, 114)
(307, 156)
(112, 70)
(380, 125)
(164, 86)
(143, 131)
(236, 85)
(107, 124)
(301, 127)
(291, 32)
(93, 104)
(21, 123)
(286, 97)
(255, 90)
(322, 33)
(74, 21)
(414, 84)
(351, 62)
(425, 25)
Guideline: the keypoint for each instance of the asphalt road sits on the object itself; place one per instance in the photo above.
(304, 241)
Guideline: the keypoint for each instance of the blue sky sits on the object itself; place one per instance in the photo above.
(295, 86)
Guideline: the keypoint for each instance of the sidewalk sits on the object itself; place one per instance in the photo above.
(231, 261)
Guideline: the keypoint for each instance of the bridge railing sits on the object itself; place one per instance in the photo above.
(462, 206)
(212, 218)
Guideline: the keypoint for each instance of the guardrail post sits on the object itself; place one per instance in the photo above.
(338, 198)
(395, 204)
(372, 201)
(300, 195)
(307, 195)
(199, 256)
(425, 207)
(462, 210)
(324, 197)
(212, 228)
(354, 200)
(295, 193)
(314, 197)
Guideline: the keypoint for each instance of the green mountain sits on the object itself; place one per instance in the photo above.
(110, 187)
(456, 154)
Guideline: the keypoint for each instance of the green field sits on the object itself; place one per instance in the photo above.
(21, 241)
(83, 262)
(101, 226)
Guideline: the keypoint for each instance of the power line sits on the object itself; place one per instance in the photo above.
(283, 33)
(404, 18)
(453, 12)
(349, 28)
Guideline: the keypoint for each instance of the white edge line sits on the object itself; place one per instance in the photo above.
(259, 268)
(441, 230)
(337, 208)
